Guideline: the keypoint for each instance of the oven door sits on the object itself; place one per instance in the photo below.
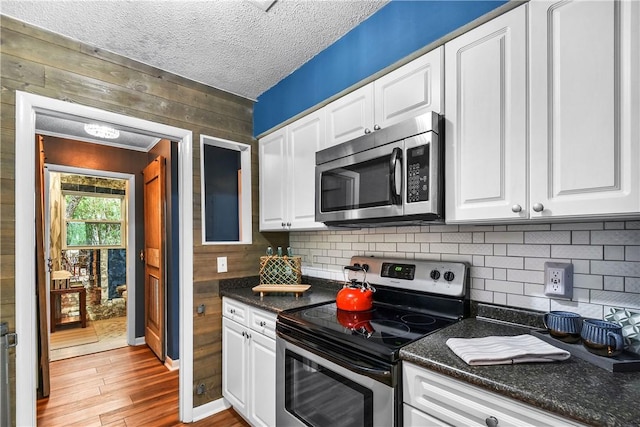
(360, 186)
(313, 391)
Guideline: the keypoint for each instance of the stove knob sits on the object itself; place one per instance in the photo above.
(365, 267)
(435, 274)
(449, 276)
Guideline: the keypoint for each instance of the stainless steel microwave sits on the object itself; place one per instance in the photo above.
(392, 175)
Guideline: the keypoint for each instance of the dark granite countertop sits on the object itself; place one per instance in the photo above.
(276, 302)
(574, 388)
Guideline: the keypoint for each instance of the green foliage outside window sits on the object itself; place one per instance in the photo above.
(93, 221)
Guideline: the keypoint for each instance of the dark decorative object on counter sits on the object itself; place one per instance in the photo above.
(623, 362)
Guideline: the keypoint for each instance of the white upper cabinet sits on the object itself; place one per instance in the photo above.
(287, 175)
(585, 108)
(273, 162)
(305, 137)
(485, 116)
(582, 125)
(350, 116)
(406, 92)
(410, 90)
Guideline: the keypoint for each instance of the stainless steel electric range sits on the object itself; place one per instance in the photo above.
(342, 368)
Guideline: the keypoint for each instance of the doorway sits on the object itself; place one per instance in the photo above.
(88, 213)
(27, 107)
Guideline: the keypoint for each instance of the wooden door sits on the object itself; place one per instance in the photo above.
(154, 271)
(41, 275)
(486, 121)
(585, 104)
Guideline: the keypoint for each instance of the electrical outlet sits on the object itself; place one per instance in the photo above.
(200, 389)
(222, 264)
(558, 279)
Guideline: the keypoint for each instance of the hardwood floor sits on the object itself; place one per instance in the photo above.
(117, 388)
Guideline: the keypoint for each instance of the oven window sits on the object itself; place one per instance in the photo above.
(362, 185)
(320, 397)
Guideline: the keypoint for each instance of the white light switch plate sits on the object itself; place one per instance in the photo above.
(222, 264)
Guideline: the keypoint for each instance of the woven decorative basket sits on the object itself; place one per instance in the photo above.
(276, 270)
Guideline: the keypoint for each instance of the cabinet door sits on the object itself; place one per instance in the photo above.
(304, 138)
(234, 365)
(410, 90)
(350, 116)
(272, 181)
(585, 101)
(262, 380)
(485, 116)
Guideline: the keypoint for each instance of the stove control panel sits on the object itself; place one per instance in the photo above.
(438, 277)
(398, 271)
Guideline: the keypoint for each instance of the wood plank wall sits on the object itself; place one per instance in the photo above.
(43, 63)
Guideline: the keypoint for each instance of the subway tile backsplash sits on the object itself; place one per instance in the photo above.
(507, 261)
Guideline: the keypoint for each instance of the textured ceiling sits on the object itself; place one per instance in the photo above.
(232, 45)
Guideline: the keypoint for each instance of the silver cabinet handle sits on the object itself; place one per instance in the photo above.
(376, 127)
(538, 207)
(491, 421)
(283, 224)
(367, 131)
(288, 224)
(263, 323)
(244, 334)
(232, 311)
(516, 208)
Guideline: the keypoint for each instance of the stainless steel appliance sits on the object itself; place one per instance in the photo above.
(391, 175)
(336, 367)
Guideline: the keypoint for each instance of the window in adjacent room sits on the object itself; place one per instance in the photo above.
(226, 191)
(93, 220)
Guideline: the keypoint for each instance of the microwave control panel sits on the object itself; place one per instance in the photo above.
(418, 173)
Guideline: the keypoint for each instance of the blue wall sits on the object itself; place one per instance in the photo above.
(395, 31)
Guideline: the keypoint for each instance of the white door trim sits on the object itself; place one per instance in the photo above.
(27, 105)
(131, 233)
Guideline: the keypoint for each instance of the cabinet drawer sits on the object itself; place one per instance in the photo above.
(235, 310)
(411, 417)
(457, 403)
(263, 322)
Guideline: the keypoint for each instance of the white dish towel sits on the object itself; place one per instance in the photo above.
(505, 350)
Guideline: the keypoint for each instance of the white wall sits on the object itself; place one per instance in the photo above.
(507, 260)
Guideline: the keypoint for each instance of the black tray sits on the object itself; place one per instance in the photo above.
(624, 362)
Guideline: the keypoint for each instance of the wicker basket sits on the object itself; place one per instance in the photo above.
(276, 270)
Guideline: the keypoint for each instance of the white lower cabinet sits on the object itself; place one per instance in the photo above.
(249, 362)
(432, 399)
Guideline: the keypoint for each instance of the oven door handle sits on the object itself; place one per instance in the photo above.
(396, 155)
(328, 354)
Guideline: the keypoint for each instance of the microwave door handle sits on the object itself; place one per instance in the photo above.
(395, 185)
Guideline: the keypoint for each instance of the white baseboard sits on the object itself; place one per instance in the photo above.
(139, 341)
(211, 408)
(172, 365)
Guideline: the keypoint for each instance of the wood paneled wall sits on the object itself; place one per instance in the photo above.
(43, 63)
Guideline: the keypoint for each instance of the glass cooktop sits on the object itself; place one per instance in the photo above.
(381, 330)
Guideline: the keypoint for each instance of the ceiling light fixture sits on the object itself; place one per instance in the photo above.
(101, 131)
(264, 5)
